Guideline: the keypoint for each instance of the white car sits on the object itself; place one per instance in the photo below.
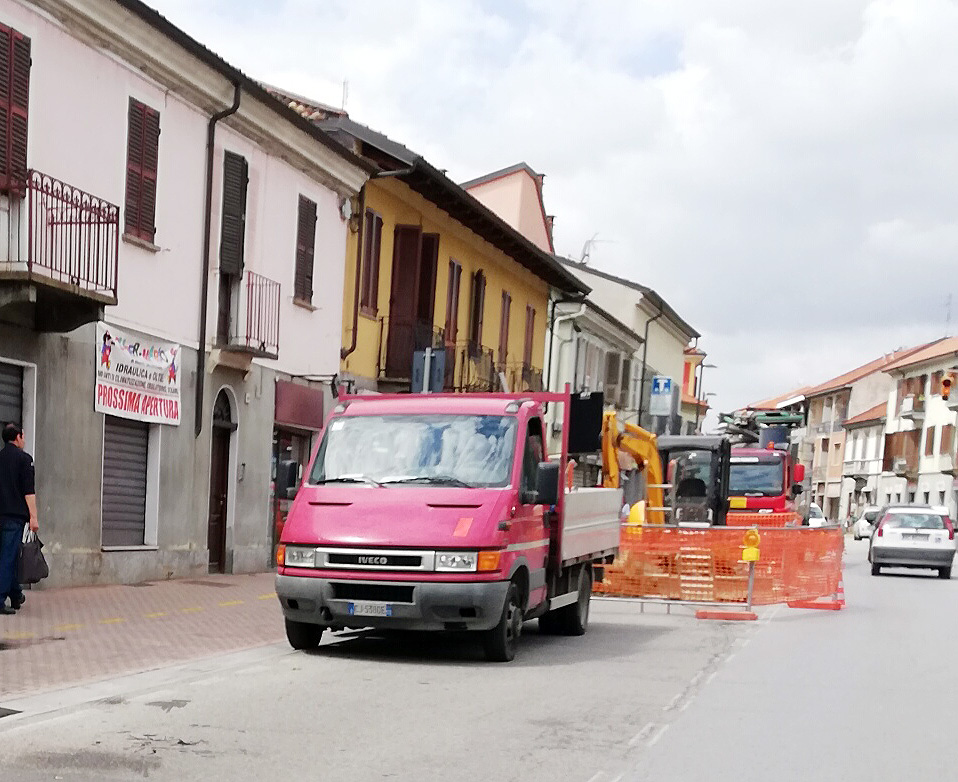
(864, 524)
(815, 516)
(913, 536)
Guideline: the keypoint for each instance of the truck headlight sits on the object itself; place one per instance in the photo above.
(300, 556)
(457, 561)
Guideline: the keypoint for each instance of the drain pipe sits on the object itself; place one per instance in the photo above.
(207, 230)
(558, 321)
(645, 352)
(345, 352)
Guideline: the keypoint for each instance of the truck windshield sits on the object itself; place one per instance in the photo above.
(756, 478)
(438, 450)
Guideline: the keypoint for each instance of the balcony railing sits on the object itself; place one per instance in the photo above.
(524, 377)
(62, 237)
(398, 342)
(475, 368)
(255, 329)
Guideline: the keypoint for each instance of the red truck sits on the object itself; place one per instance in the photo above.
(442, 512)
(762, 480)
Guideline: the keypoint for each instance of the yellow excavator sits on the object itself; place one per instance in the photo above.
(686, 477)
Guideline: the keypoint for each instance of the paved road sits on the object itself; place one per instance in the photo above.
(863, 694)
(362, 708)
(868, 693)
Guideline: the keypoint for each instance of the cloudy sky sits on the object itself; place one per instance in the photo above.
(784, 173)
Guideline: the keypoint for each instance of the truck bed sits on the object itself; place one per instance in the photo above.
(590, 523)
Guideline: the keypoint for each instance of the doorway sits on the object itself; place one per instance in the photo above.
(222, 433)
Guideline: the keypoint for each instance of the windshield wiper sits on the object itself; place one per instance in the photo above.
(436, 480)
(349, 479)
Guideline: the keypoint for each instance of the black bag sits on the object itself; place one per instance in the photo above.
(32, 567)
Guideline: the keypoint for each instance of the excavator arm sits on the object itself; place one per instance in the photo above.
(641, 446)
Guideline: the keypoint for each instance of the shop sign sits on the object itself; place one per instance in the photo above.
(137, 377)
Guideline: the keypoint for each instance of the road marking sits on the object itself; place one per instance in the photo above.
(270, 596)
(19, 636)
(673, 703)
(712, 676)
(658, 735)
(596, 776)
(232, 603)
(697, 678)
(191, 610)
(114, 621)
(155, 615)
(642, 734)
(65, 628)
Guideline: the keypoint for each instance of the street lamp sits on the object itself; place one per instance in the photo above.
(702, 397)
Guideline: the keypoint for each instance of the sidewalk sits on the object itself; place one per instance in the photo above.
(63, 637)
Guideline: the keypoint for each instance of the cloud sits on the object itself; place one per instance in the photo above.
(783, 173)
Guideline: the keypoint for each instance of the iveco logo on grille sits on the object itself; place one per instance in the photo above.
(369, 560)
(355, 559)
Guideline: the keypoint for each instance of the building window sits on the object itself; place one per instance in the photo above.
(930, 441)
(305, 250)
(372, 243)
(142, 156)
(530, 336)
(477, 303)
(232, 240)
(452, 302)
(947, 440)
(14, 108)
(504, 328)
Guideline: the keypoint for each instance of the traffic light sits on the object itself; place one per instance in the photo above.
(947, 381)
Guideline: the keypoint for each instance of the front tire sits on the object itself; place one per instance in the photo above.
(302, 635)
(876, 569)
(500, 642)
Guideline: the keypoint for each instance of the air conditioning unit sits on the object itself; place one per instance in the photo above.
(899, 466)
(913, 407)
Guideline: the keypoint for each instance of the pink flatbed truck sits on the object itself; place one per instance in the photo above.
(442, 512)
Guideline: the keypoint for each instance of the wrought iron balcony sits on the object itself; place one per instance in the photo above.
(524, 377)
(398, 342)
(475, 368)
(58, 268)
(253, 326)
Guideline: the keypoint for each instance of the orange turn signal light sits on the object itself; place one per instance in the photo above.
(751, 538)
(281, 555)
(488, 560)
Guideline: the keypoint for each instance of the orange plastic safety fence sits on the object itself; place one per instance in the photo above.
(746, 519)
(678, 563)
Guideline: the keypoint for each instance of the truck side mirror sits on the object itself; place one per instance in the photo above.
(287, 477)
(798, 473)
(797, 489)
(547, 483)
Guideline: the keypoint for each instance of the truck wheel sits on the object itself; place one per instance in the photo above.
(500, 642)
(944, 572)
(302, 635)
(876, 569)
(574, 618)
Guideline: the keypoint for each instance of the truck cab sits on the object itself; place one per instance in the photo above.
(440, 513)
(764, 480)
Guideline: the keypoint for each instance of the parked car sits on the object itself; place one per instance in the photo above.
(815, 516)
(915, 536)
(864, 525)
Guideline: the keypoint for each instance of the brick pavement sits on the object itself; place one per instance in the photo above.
(63, 637)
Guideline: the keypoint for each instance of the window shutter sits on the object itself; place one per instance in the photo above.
(142, 158)
(151, 151)
(372, 241)
(134, 158)
(305, 249)
(14, 107)
(504, 328)
(530, 335)
(233, 230)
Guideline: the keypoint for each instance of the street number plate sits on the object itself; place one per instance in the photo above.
(370, 609)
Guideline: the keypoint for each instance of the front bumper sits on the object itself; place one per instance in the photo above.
(434, 605)
(903, 556)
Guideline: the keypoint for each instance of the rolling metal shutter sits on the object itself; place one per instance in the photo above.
(11, 394)
(125, 445)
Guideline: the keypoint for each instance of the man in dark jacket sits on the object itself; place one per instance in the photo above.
(18, 506)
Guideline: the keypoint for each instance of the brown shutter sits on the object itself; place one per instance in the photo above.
(233, 230)
(151, 154)
(19, 107)
(504, 328)
(477, 305)
(530, 335)
(452, 302)
(372, 242)
(142, 158)
(305, 249)
(134, 161)
(14, 107)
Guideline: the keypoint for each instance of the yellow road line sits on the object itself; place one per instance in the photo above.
(19, 636)
(270, 596)
(155, 615)
(63, 628)
(232, 603)
(191, 610)
(114, 621)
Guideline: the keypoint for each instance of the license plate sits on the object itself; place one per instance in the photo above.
(370, 609)
(915, 537)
